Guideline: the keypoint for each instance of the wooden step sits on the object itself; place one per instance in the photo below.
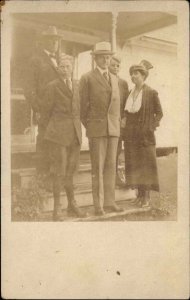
(91, 217)
(84, 197)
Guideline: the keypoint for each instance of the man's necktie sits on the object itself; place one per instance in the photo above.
(106, 76)
(69, 83)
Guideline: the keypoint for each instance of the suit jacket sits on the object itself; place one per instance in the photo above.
(61, 113)
(124, 93)
(41, 71)
(100, 104)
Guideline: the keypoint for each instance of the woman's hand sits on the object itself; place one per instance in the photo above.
(123, 122)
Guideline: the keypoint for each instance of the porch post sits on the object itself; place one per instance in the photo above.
(113, 31)
(75, 67)
(92, 62)
(59, 46)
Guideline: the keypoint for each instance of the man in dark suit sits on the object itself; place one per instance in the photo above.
(61, 114)
(114, 68)
(42, 70)
(100, 114)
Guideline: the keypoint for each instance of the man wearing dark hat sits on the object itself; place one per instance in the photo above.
(114, 68)
(63, 134)
(42, 70)
(100, 114)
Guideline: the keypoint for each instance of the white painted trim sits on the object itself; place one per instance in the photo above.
(152, 43)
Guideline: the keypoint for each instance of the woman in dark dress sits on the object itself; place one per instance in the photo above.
(142, 115)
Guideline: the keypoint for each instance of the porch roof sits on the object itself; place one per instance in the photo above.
(96, 26)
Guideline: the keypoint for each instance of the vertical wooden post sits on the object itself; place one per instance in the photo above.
(59, 51)
(92, 62)
(75, 66)
(60, 46)
(113, 31)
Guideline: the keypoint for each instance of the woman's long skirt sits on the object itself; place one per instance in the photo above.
(140, 156)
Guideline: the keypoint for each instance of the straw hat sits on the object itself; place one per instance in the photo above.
(102, 48)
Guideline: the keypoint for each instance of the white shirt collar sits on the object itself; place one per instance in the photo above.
(134, 105)
(53, 59)
(65, 79)
(48, 53)
(102, 71)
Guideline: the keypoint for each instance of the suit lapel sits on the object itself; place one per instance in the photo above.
(144, 101)
(114, 88)
(49, 61)
(100, 78)
(74, 82)
(75, 97)
(65, 87)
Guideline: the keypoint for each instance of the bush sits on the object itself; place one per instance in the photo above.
(28, 203)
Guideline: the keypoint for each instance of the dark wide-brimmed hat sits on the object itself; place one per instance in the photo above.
(102, 48)
(143, 67)
(51, 31)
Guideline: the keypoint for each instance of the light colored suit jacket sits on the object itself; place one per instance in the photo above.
(100, 104)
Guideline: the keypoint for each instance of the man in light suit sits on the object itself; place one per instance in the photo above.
(100, 114)
(61, 114)
(114, 68)
(42, 70)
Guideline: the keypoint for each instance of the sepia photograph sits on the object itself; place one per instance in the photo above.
(93, 133)
(95, 149)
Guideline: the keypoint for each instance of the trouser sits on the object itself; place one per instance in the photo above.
(42, 152)
(119, 150)
(64, 163)
(103, 151)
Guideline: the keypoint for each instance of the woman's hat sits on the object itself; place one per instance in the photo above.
(143, 66)
(102, 48)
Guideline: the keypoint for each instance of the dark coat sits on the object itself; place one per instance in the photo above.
(41, 71)
(100, 105)
(61, 113)
(151, 111)
(140, 152)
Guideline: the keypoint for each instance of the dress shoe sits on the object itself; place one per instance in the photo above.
(137, 201)
(145, 203)
(57, 215)
(99, 212)
(114, 208)
(75, 210)
(146, 200)
(119, 182)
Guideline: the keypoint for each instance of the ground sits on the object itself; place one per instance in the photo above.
(163, 204)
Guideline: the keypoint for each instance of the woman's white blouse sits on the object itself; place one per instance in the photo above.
(134, 104)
